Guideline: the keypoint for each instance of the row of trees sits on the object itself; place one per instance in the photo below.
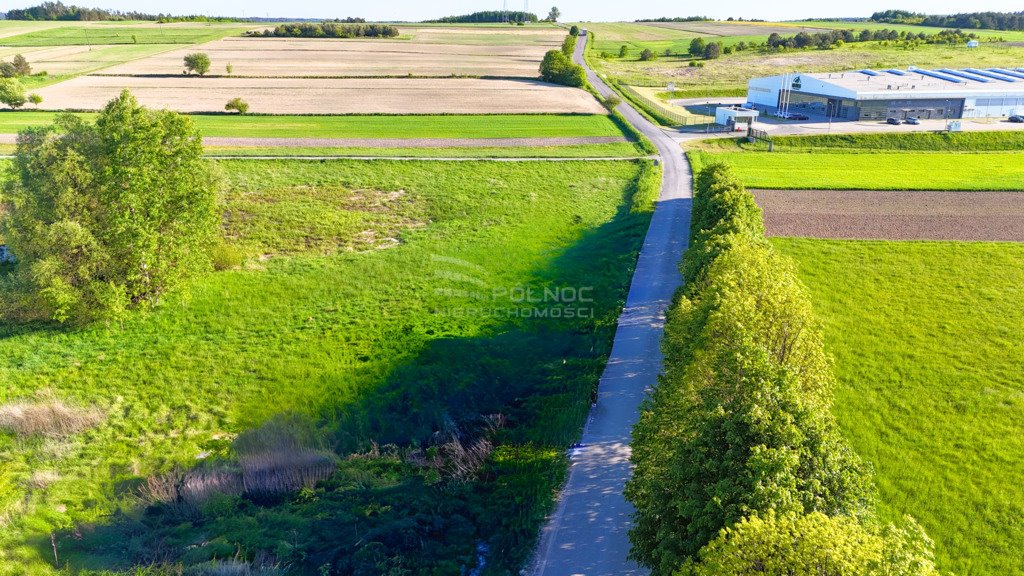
(327, 30)
(489, 16)
(740, 466)
(974, 20)
(60, 11)
(557, 66)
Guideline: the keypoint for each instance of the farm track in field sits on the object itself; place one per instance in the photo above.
(394, 142)
(893, 215)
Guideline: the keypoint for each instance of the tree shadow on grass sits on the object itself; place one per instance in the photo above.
(382, 510)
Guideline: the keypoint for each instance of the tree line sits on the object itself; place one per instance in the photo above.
(488, 16)
(972, 20)
(557, 66)
(327, 30)
(741, 467)
(61, 11)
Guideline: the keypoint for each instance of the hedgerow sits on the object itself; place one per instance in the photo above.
(740, 427)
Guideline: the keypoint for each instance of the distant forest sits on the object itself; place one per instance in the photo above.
(676, 19)
(488, 16)
(972, 20)
(60, 11)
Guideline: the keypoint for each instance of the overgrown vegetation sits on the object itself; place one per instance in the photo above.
(987, 20)
(401, 401)
(488, 16)
(105, 217)
(739, 432)
(558, 68)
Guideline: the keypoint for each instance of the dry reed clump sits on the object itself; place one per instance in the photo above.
(282, 456)
(232, 568)
(49, 418)
(278, 458)
(457, 456)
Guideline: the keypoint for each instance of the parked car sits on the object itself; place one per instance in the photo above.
(893, 121)
(913, 121)
(799, 117)
(1017, 119)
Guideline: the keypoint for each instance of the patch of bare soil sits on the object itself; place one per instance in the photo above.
(889, 215)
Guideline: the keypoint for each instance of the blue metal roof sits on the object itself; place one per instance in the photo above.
(939, 76)
(896, 72)
(988, 74)
(869, 72)
(962, 75)
(1007, 73)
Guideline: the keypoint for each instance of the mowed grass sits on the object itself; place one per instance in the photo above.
(105, 35)
(873, 171)
(929, 350)
(356, 301)
(621, 150)
(455, 126)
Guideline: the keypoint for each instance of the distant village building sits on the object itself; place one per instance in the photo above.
(973, 44)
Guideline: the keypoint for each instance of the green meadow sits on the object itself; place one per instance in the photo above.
(853, 170)
(85, 34)
(376, 299)
(928, 349)
(455, 126)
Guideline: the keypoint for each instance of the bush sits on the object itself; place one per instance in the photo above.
(611, 102)
(623, 51)
(237, 104)
(574, 30)
(697, 47)
(226, 256)
(558, 69)
(712, 51)
(648, 55)
(197, 62)
(569, 45)
(35, 99)
(814, 544)
(12, 93)
(21, 65)
(151, 218)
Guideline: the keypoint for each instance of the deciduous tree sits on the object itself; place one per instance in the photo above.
(12, 92)
(197, 62)
(108, 216)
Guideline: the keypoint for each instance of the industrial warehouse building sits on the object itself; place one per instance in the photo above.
(881, 94)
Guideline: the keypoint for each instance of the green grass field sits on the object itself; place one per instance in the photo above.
(928, 352)
(469, 126)
(358, 305)
(851, 170)
(980, 141)
(1008, 35)
(623, 150)
(119, 33)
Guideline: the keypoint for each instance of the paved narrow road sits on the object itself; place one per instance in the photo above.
(587, 533)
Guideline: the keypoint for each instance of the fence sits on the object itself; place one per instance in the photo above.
(657, 108)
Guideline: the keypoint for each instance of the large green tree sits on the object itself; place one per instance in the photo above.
(12, 92)
(198, 62)
(108, 216)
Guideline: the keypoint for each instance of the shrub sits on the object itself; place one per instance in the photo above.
(237, 104)
(574, 30)
(12, 93)
(35, 99)
(647, 55)
(623, 51)
(713, 50)
(230, 68)
(558, 69)
(226, 256)
(813, 544)
(569, 45)
(197, 62)
(611, 102)
(697, 47)
(152, 199)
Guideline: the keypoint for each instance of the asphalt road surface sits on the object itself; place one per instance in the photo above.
(587, 533)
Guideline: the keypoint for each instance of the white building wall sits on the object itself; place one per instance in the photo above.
(764, 91)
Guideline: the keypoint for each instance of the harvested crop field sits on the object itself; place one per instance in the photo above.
(325, 96)
(884, 215)
(736, 28)
(301, 57)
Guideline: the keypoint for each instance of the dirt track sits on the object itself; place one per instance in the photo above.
(991, 216)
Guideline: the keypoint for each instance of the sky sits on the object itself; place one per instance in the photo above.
(572, 10)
